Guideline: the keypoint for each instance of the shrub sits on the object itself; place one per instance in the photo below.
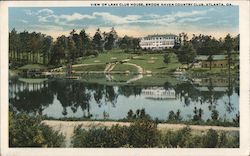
(26, 131)
(215, 115)
(210, 140)
(179, 138)
(166, 58)
(142, 133)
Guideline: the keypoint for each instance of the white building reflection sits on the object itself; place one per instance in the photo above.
(158, 93)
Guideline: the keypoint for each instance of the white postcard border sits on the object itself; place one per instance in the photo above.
(244, 91)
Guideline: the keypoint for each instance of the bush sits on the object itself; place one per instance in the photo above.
(210, 140)
(166, 58)
(139, 114)
(26, 131)
(179, 138)
(142, 133)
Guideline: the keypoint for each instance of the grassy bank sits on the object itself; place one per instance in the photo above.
(148, 62)
(204, 72)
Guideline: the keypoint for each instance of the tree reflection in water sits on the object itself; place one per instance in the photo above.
(75, 95)
(20, 96)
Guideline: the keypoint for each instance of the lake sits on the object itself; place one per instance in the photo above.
(87, 98)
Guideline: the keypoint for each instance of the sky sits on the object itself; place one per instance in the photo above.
(132, 21)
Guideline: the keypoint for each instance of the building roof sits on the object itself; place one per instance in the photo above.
(32, 66)
(215, 89)
(215, 57)
(32, 81)
(161, 35)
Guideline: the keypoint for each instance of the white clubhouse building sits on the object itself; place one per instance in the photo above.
(159, 42)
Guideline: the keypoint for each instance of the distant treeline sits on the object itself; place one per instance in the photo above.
(26, 47)
(35, 47)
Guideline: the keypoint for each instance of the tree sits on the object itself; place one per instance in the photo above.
(26, 131)
(135, 44)
(24, 47)
(228, 46)
(175, 116)
(130, 114)
(171, 115)
(46, 49)
(215, 115)
(109, 42)
(124, 43)
(86, 43)
(13, 44)
(77, 42)
(237, 43)
(97, 41)
(71, 51)
(166, 58)
(200, 114)
(210, 59)
(186, 54)
(59, 50)
(206, 45)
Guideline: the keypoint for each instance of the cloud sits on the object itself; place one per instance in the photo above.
(75, 16)
(115, 19)
(39, 12)
(131, 24)
(189, 14)
(192, 19)
(23, 21)
(106, 18)
(45, 11)
(37, 27)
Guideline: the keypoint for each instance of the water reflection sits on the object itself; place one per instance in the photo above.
(59, 98)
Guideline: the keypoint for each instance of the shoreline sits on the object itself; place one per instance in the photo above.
(67, 127)
(160, 126)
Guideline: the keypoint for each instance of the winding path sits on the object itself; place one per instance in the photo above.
(108, 69)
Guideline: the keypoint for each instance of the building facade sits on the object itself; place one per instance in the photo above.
(159, 42)
(219, 61)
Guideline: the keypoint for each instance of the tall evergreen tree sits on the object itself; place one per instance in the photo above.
(46, 49)
(109, 42)
(186, 54)
(85, 42)
(97, 41)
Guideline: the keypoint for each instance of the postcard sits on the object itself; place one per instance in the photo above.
(125, 77)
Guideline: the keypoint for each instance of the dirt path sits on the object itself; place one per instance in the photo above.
(67, 127)
(79, 65)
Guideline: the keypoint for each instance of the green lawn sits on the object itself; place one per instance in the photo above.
(151, 62)
(158, 79)
(105, 57)
(97, 67)
(212, 71)
(154, 63)
(121, 79)
(125, 67)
